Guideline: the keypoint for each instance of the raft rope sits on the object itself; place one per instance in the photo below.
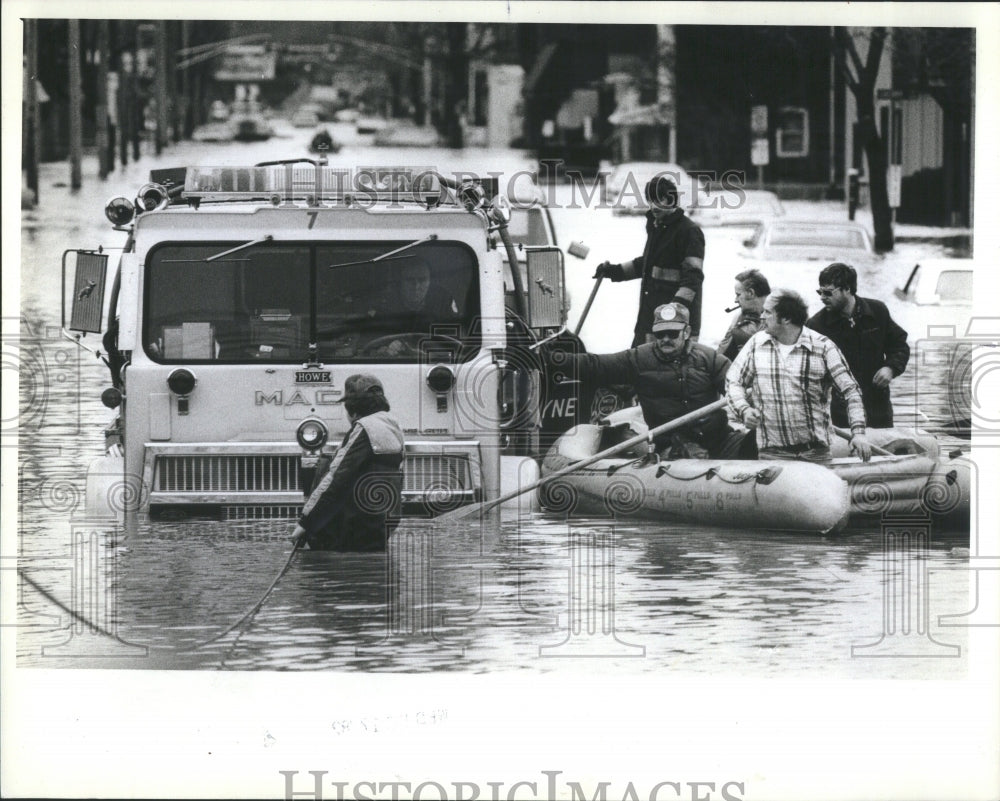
(764, 476)
(247, 616)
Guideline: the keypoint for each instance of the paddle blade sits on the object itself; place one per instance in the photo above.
(461, 513)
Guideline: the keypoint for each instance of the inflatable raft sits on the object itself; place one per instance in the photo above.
(919, 482)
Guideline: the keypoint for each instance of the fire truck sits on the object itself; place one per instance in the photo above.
(245, 296)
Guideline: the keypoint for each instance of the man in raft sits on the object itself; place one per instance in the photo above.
(672, 376)
(347, 509)
(871, 341)
(780, 385)
(752, 289)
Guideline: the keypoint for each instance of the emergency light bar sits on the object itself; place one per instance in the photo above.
(317, 183)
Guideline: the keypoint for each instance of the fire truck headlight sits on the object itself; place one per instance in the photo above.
(440, 379)
(181, 381)
(311, 435)
(111, 397)
(152, 197)
(119, 211)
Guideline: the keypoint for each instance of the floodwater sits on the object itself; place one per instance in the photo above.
(538, 593)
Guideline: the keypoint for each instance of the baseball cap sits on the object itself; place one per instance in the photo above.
(670, 315)
(361, 384)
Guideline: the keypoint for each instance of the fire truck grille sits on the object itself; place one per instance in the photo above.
(276, 473)
(260, 512)
(425, 476)
(433, 473)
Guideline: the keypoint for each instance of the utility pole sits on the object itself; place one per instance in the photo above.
(75, 110)
(185, 98)
(162, 116)
(428, 84)
(32, 140)
(138, 119)
(101, 111)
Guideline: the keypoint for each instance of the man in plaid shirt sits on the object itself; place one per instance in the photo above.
(781, 381)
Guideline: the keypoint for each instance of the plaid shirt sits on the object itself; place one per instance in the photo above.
(793, 397)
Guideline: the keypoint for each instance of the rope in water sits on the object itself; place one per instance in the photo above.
(247, 616)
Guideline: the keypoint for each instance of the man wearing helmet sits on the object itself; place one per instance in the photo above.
(671, 265)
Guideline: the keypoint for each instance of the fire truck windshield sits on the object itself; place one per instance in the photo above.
(270, 301)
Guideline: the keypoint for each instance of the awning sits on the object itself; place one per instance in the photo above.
(653, 114)
(540, 65)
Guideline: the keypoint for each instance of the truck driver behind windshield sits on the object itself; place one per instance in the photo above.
(414, 304)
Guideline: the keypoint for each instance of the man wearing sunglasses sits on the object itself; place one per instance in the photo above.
(672, 375)
(871, 341)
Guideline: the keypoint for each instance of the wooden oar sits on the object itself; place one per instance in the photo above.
(679, 422)
(843, 433)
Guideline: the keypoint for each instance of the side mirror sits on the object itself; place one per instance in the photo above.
(86, 304)
(546, 288)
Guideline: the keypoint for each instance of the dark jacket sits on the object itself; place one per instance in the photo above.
(355, 504)
(869, 340)
(665, 275)
(744, 325)
(667, 388)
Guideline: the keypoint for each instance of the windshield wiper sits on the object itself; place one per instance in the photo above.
(238, 248)
(390, 254)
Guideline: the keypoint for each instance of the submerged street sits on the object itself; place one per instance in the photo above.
(540, 594)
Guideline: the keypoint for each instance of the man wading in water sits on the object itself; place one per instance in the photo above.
(343, 512)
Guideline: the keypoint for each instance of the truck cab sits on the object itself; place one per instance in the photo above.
(244, 298)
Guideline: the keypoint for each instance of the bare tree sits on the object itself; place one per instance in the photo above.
(861, 76)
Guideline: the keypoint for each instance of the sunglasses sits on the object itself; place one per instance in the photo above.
(670, 333)
(825, 293)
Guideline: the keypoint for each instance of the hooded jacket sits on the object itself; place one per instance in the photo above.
(355, 504)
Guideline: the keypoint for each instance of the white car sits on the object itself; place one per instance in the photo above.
(937, 293)
(370, 125)
(407, 134)
(625, 186)
(802, 240)
(305, 118)
(736, 207)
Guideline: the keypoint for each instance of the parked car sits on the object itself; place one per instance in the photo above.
(218, 131)
(625, 186)
(305, 118)
(346, 115)
(938, 292)
(802, 240)
(407, 134)
(370, 125)
(729, 207)
(249, 122)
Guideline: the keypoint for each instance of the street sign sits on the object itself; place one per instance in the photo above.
(246, 63)
(894, 180)
(889, 94)
(760, 153)
(758, 121)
